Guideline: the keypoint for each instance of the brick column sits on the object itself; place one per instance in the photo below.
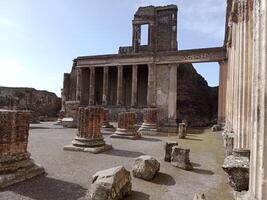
(106, 126)
(105, 86)
(126, 126)
(15, 162)
(134, 85)
(92, 86)
(150, 124)
(78, 84)
(89, 137)
(151, 85)
(119, 85)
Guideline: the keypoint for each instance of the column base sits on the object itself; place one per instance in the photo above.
(126, 134)
(148, 129)
(107, 128)
(94, 150)
(25, 172)
(95, 146)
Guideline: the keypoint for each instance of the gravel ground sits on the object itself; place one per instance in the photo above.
(68, 174)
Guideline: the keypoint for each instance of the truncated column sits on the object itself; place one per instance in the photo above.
(126, 126)
(89, 137)
(150, 124)
(15, 162)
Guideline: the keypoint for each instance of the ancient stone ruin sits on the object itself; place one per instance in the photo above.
(89, 137)
(15, 162)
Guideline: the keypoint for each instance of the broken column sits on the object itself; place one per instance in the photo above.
(15, 162)
(89, 137)
(106, 126)
(181, 130)
(228, 142)
(237, 168)
(126, 126)
(168, 150)
(180, 158)
(150, 124)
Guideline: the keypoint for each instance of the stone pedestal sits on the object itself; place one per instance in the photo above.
(126, 126)
(237, 168)
(106, 126)
(181, 130)
(170, 127)
(15, 162)
(89, 137)
(168, 150)
(180, 158)
(150, 124)
(228, 141)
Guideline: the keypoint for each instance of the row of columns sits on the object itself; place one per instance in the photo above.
(151, 93)
(246, 88)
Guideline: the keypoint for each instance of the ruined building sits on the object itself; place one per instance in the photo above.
(140, 76)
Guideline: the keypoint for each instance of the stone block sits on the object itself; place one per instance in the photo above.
(181, 130)
(237, 168)
(180, 158)
(168, 150)
(145, 167)
(216, 128)
(228, 141)
(111, 184)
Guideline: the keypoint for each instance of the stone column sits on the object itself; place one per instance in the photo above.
(151, 85)
(78, 84)
(92, 86)
(66, 86)
(258, 170)
(171, 125)
(222, 93)
(15, 162)
(134, 85)
(105, 86)
(119, 85)
(126, 126)
(89, 137)
(150, 124)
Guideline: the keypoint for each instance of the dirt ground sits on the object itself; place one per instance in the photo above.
(68, 174)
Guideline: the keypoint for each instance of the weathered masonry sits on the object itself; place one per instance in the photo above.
(139, 76)
(245, 105)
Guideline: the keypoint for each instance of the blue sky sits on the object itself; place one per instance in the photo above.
(39, 39)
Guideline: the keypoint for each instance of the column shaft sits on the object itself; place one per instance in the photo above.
(172, 99)
(92, 86)
(105, 86)
(119, 85)
(134, 85)
(78, 84)
(151, 86)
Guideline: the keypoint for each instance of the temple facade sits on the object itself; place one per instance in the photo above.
(139, 76)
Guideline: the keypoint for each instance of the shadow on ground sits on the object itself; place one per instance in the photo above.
(163, 179)
(150, 139)
(44, 188)
(123, 153)
(138, 195)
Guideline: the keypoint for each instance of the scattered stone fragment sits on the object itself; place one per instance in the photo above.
(237, 168)
(199, 197)
(111, 184)
(145, 167)
(168, 150)
(180, 158)
(181, 130)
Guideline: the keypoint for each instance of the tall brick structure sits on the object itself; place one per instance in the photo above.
(89, 137)
(126, 126)
(150, 124)
(15, 162)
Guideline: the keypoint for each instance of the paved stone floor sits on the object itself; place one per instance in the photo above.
(69, 173)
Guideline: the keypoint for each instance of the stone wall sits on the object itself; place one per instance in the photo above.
(42, 103)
